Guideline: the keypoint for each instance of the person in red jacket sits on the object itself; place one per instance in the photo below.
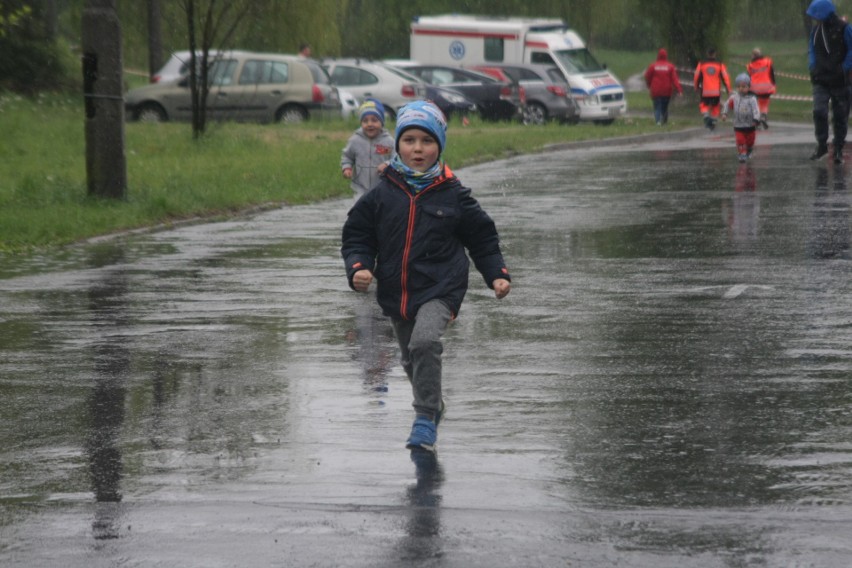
(661, 78)
(710, 76)
(762, 75)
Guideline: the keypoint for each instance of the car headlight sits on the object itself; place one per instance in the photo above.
(455, 99)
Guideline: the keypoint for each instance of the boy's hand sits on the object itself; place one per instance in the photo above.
(382, 167)
(501, 288)
(724, 118)
(347, 173)
(361, 280)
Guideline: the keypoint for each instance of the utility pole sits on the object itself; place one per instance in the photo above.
(106, 166)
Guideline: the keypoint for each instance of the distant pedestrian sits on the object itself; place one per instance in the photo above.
(742, 105)
(368, 150)
(305, 50)
(830, 63)
(762, 75)
(710, 76)
(410, 234)
(662, 80)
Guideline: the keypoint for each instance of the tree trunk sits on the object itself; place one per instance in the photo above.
(198, 103)
(51, 19)
(155, 37)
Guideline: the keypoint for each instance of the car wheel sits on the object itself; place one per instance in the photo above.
(535, 114)
(151, 112)
(292, 114)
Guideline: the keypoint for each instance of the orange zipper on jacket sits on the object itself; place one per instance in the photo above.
(409, 234)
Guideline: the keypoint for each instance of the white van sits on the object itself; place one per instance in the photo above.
(477, 40)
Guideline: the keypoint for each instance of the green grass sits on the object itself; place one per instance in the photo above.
(43, 197)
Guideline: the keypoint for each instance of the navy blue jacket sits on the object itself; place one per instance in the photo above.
(415, 243)
(830, 46)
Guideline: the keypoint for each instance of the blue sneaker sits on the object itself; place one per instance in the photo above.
(424, 434)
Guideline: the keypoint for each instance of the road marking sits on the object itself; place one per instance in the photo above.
(737, 290)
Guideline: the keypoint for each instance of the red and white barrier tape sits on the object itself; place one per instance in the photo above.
(777, 74)
(792, 76)
(791, 98)
(777, 97)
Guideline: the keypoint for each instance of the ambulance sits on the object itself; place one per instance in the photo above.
(463, 40)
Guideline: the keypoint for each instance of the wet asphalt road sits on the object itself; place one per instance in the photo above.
(667, 385)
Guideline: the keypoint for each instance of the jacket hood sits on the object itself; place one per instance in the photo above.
(662, 55)
(820, 9)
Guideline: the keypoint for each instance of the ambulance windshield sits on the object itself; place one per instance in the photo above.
(578, 60)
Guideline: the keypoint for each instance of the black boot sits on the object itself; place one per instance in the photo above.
(820, 152)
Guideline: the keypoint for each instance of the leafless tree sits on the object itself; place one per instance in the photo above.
(209, 23)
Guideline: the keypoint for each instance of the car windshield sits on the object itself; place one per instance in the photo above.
(556, 75)
(403, 74)
(318, 72)
(578, 60)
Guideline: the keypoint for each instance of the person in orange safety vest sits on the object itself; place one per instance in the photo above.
(762, 75)
(710, 76)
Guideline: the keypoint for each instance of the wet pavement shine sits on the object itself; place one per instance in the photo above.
(667, 385)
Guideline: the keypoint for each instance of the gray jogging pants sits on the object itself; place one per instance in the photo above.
(421, 348)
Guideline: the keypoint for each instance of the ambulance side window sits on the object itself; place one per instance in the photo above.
(541, 57)
(494, 49)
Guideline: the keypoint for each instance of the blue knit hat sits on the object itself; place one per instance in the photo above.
(742, 78)
(425, 116)
(372, 107)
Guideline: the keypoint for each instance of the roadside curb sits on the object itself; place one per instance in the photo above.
(638, 139)
(178, 223)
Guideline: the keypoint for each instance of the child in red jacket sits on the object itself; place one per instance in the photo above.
(662, 80)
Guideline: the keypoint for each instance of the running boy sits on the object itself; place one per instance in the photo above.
(410, 234)
(743, 105)
(368, 150)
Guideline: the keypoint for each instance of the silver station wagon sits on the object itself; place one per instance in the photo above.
(246, 87)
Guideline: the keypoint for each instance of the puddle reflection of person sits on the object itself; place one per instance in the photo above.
(743, 213)
(373, 337)
(423, 527)
(108, 306)
(830, 232)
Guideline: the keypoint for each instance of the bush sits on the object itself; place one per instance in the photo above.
(33, 61)
(30, 66)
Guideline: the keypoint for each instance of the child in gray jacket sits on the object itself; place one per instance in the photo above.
(368, 150)
(743, 105)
